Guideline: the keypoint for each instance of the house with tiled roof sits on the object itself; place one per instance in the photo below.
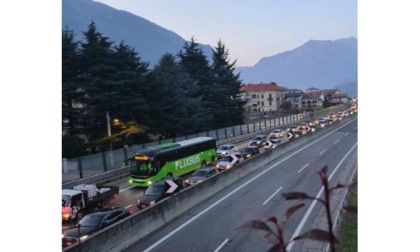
(264, 97)
(294, 96)
(312, 101)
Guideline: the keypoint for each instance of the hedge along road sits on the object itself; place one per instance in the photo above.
(212, 225)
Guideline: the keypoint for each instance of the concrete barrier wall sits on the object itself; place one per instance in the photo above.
(121, 235)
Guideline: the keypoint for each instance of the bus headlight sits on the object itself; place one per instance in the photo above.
(149, 182)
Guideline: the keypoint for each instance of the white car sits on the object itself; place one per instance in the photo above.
(274, 143)
(227, 163)
(226, 149)
(277, 133)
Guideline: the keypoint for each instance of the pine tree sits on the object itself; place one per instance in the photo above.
(195, 63)
(230, 110)
(174, 109)
(70, 71)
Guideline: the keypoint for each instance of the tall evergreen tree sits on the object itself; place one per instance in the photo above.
(195, 63)
(174, 106)
(227, 84)
(96, 65)
(70, 72)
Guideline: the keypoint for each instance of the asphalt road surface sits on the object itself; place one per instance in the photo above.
(213, 225)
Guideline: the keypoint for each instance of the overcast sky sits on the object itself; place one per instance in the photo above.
(250, 29)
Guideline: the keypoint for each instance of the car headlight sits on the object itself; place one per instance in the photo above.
(83, 237)
(249, 155)
(225, 152)
(152, 202)
(218, 166)
(228, 167)
(199, 181)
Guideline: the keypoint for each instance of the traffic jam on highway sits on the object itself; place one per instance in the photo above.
(88, 208)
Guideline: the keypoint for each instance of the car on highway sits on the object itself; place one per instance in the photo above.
(227, 161)
(274, 144)
(92, 223)
(249, 151)
(258, 140)
(158, 191)
(277, 133)
(200, 175)
(322, 123)
(225, 149)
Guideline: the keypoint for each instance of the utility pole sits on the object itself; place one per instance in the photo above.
(108, 123)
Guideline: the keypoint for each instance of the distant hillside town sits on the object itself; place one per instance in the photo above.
(268, 98)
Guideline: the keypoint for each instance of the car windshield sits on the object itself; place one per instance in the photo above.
(258, 138)
(223, 148)
(91, 220)
(65, 200)
(226, 158)
(199, 173)
(155, 190)
(247, 150)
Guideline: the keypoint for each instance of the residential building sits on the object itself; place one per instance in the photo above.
(264, 97)
(294, 96)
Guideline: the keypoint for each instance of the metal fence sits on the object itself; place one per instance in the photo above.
(105, 162)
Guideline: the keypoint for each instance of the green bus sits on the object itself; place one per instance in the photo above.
(171, 160)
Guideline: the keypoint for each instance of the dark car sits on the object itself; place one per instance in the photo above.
(258, 140)
(250, 151)
(158, 191)
(92, 223)
(201, 174)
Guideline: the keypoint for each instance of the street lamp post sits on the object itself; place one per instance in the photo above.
(108, 124)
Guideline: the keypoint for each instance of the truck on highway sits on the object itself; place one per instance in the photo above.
(83, 199)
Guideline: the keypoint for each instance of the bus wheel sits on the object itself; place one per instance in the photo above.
(169, 175)
(203, 164)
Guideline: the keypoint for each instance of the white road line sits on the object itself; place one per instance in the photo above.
(347, 133)
(337, 141)
(265, 202)
(302, 222)
(303, 168)
(237, 189)
(322, 152)
(126, 188)
(221, 245)
(355, 128)
(129, 206)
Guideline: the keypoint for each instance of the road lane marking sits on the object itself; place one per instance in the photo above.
(303, 168)
(126, 188)
(347, 133)
(221, 245)
(322, 152)
(129, 206)
(237, 189)
(354, 128)
(337, 141)
(305, 217)
(265, 202)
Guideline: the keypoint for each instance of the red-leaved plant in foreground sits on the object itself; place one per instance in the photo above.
(276, 236)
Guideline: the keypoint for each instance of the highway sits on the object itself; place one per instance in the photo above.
(213, 224)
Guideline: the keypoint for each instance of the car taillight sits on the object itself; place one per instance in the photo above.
(131, 212)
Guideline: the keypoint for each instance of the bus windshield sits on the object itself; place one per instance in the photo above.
(143, 167)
